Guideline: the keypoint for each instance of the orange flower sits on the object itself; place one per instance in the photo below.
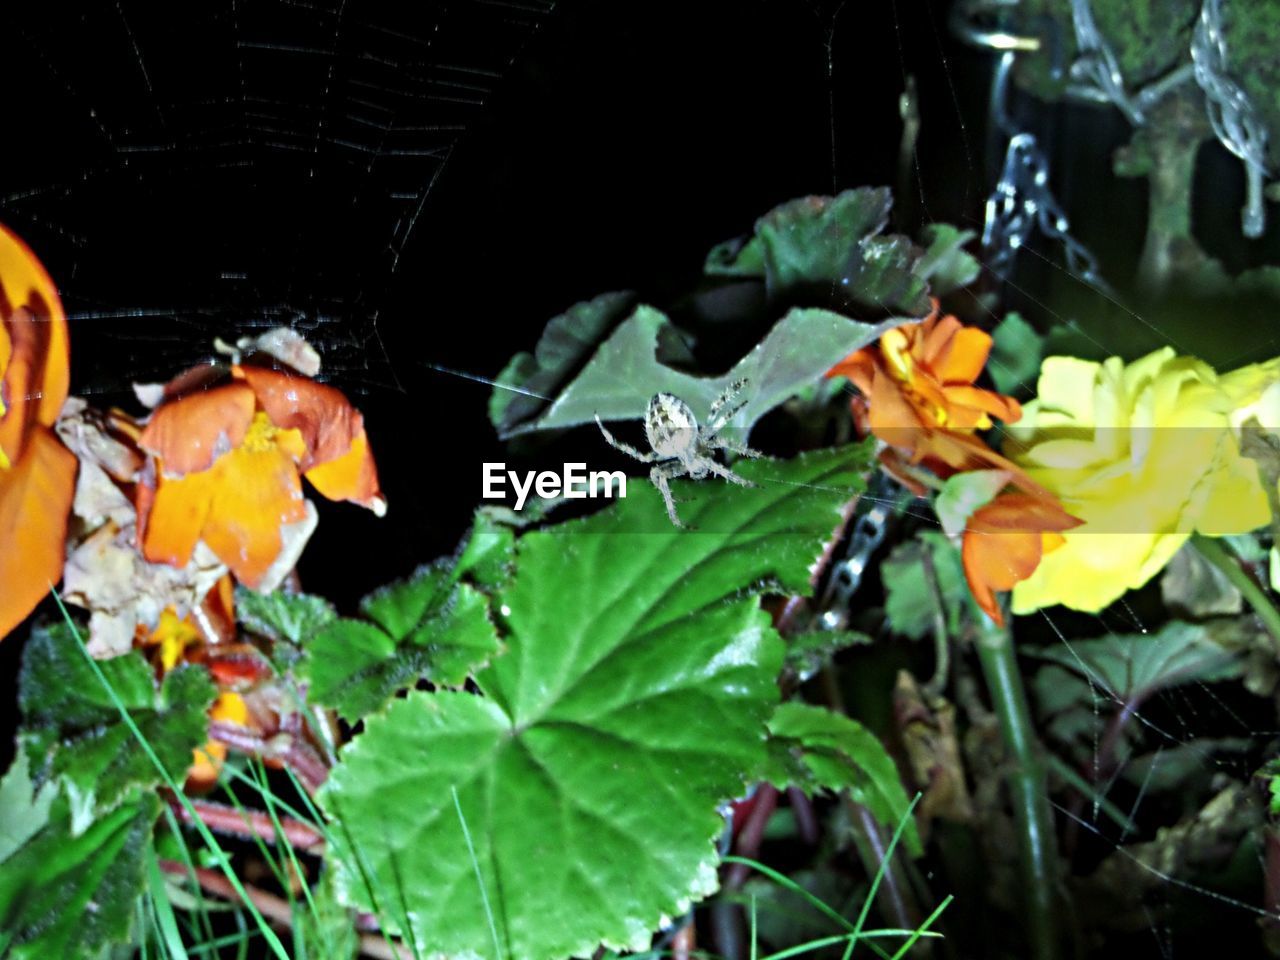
(226, 466)
(918, 387)
(1005, 538)
(207, 761)
(37, 473)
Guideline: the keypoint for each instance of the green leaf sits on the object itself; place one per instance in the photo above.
(911, 603)
(840, 754)
(945, 264)
(26, 809)
(1134, 666)
(1194, 588)
(619, 380)
(832, 242)
(426, 627)
(73, 731)
(964, 493)
(1016, 353)
(489, 555)
(631, 701)
(529, 380)
(829, 251)
(290, 617)
(69, 895)
(807, 652)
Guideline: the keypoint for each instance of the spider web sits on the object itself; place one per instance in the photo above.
(201, 170)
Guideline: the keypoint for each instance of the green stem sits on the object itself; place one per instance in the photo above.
(1213, 551)
(1027, 786)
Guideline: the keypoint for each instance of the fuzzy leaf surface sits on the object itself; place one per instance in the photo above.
(73, 731)
(631, 701)
(70, 895)
(428, 626)
(291, 617)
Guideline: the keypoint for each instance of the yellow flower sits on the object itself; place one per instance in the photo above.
(1144, 454)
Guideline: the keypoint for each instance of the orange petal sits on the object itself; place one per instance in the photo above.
(894, 419)
(35, 498)
(996, 561)
(255, 492)
(963, 358)
(1004, 542)
(172, 514)
(329, 424)
(190, 433)
(351, 476)
(859, 367)
(988, 401)
(25, 284)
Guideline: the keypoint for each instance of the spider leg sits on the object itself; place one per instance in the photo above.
(729, 393)
(720, 443)
(619, 445)
(722, 471)
(659, 477)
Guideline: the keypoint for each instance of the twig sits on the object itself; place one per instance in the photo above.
(249, 823)
(276, 909)
(752, 834)
(285, 749)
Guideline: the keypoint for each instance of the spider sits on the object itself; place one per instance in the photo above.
(681, 447)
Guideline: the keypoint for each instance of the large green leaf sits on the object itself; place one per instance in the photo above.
(631, 701)
(626, 371)
(70, 895)
(839, 753)
(426, 627)
(73, 732)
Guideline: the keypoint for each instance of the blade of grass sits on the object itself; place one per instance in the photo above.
(875, 882)
(165, 920)
(215, 848)
(923, 930)
(789, 884)
(484, 893)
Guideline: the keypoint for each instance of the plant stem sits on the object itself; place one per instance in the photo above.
(250, 823)
(1213, 551)
(1027, 786)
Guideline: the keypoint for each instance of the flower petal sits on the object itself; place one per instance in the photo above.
(188, 434)
(40, 339)
(351, 476)
(329, 424)
(35, 499)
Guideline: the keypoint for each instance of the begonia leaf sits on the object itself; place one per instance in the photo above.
(575, 797)
(73, 732)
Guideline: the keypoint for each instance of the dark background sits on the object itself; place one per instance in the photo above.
(429, 183)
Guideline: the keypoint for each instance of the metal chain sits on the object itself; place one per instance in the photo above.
(870, 524)
(1022, 200)
(1232, 114)
(1097, 65)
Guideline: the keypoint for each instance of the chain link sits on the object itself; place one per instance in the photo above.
(869, 527)
(1232, 114)
(1022, 200)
